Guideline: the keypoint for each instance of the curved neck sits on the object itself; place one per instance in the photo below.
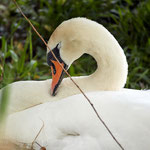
(111, 73)
(97, 41)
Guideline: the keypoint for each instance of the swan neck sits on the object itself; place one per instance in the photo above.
(111, 72)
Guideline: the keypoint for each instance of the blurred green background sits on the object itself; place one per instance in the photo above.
(23, 54)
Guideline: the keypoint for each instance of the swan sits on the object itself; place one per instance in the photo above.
(69, 41)
(69, 122)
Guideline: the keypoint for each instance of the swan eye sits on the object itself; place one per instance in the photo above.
(58, 45)
(56, 51)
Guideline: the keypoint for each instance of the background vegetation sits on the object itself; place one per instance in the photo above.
(23, 55)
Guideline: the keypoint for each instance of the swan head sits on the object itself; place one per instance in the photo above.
(66, 44)
(74, 37)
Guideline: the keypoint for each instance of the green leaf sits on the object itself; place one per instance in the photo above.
(30, 44)
(14, 56)
(4, 103)
(72, 71)
(33, 64)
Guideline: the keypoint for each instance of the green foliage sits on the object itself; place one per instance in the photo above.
(3, 104)
(23, 55)
(17, 62)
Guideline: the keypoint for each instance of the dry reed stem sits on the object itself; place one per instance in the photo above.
(9, 145)
(101, 120)
(42, 148)
(37, 135)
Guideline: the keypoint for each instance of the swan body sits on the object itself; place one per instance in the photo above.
(76, 37)
(72, 124)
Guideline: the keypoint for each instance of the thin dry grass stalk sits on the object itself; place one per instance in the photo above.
(42, 148)
(10, 145)
(34, 141)
(101, 120)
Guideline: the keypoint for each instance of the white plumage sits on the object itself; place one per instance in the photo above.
(70, 123)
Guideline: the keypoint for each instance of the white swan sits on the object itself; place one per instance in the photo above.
(71, 123)
(69, 41)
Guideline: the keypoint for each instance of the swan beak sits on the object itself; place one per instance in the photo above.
(57, 75)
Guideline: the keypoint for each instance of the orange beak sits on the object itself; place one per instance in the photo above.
(57, 76)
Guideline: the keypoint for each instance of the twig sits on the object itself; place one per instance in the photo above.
(37, 135)
(42, 148)
(101, 120)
